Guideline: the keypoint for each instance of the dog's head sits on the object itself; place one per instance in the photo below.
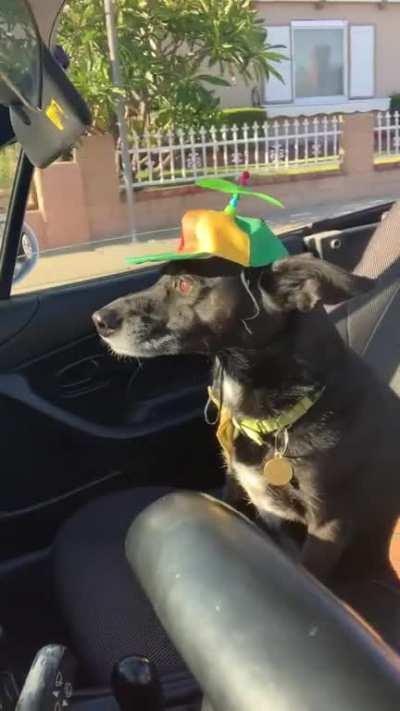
(203, 306)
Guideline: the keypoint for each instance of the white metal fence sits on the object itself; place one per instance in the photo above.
(165, 158)
(387, 134)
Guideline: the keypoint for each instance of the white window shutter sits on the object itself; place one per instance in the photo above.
(362, 61)
(275, 91)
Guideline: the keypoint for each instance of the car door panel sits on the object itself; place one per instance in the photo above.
(344, 238)
(63, 315)
(341, 247)
(74, 416)
(15, 317)
(43, 486)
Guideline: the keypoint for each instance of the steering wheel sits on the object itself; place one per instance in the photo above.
(257, 632)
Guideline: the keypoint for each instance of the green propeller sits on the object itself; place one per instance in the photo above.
(226, 186)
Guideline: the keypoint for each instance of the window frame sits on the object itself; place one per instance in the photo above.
(321, 25)
(14, 223)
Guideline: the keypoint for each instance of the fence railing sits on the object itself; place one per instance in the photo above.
(387, 134)
(165, 158)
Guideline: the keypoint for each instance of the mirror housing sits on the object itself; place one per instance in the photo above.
(47, 133)
(47, 114)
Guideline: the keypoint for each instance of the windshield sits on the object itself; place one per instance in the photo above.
(8, 164)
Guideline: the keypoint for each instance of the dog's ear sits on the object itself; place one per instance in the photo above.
(302, 281)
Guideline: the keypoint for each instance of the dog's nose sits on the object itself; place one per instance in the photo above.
(107, 321)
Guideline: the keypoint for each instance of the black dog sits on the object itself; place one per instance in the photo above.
(274, 349)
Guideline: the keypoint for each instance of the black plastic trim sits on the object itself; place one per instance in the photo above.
(14, 222)
(357, 218)
(6, 130)
(43, 505)
(155, 414)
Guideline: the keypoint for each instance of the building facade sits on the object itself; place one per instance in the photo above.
(340, 57)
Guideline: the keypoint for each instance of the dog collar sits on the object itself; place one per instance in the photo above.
(256, 429)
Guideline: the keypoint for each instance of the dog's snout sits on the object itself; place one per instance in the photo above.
(107, 321)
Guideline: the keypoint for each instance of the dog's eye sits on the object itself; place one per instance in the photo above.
(183, 285)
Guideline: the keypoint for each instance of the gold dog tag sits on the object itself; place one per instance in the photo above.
(278, 471)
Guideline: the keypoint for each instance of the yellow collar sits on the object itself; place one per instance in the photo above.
(256, 429)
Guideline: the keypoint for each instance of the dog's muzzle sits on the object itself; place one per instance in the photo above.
(107, 321)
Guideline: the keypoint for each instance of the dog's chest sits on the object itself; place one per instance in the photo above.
(286, 502)
(247, 465)
(232, 393)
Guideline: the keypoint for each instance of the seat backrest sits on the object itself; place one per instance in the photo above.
(370, 324)
(382, 254)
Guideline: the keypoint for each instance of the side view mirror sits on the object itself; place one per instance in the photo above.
(47, 114)
(28, 254)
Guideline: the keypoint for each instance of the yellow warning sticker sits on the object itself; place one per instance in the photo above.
(55, 113)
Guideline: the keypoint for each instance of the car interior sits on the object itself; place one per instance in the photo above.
(92, 444)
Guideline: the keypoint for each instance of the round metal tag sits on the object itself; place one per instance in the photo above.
(278, 471)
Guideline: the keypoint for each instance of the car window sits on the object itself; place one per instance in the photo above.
(110, 198)
(76, 222)
(8, 165)
(280, 102)
(77, 241)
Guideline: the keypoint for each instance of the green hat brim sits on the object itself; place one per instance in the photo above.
(167, 257)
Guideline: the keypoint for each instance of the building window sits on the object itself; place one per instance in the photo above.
(320, 61)
(327, 63)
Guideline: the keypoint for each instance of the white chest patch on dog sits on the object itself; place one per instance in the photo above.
(251, 480)
(231, 393)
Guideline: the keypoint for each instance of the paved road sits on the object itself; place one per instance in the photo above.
(110, 257)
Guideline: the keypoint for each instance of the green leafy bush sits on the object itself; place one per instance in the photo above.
(240, 116)
(394, 103)
(8, 162)
(174, 53)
